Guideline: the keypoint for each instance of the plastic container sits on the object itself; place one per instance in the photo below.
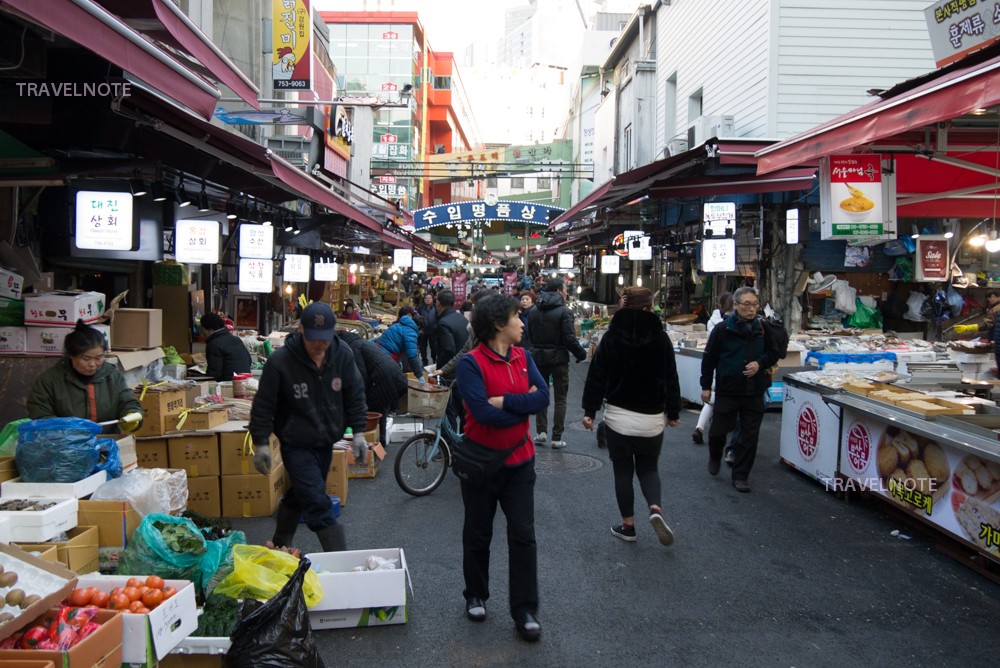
(240, 383)
(175, 371)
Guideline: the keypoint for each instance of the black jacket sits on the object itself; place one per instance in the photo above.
(384, 379)
(306, 407)
(634, 368)
(727, 354)
(551, 337)
(226, 355)
(450, 332)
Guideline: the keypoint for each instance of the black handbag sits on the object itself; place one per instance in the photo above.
(476, 463)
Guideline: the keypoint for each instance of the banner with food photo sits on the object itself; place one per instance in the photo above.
(941, 484)
(855, 193)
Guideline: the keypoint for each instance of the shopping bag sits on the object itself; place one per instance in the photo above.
(260, 573)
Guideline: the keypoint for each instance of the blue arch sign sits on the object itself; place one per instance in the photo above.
(521, 213)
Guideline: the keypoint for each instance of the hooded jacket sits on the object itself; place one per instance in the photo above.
(306, 407)
(62, 392)
(634, 367)
(384, 379)
(226, 355)
(400, 341)
(551, 336)
(728, 352)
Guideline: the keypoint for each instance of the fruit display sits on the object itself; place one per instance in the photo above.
(23, 584)
(138, 596)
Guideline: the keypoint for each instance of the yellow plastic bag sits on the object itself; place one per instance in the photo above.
(260, 573)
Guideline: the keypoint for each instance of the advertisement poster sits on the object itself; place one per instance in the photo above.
(956, 491)
(291, 35)
(932, 259)
(852, 191)
(957, 28)
(509, 281)
(458, 287)
(809, 433)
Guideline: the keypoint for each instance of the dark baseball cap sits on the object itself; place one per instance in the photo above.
(318, 322)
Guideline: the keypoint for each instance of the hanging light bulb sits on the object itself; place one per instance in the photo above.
(621, 280)
(354, 268)
(579, 289)
(993, 244)
(978, 241)
(361, 268)
(638, 281)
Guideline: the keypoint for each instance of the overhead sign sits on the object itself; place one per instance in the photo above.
(565, 260)
(419, 264)
(256, 275)
(637, 245)
(610, 264)
(720, 219)
(296, 268)
(257, 241)
(196, 241)
(291, 35)
(857, 198)
(792, 226)
(959, 27)
(402, 257)
(718, 255)
(104, 220)
(325, 271)
(521, 213)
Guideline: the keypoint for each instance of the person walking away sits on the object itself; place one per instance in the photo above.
(83, 385)
(451, 333)
(400, 341)
(502, 389)
(738, 356)
(551, 338)
(634, 369)
(718, 315)
(310, 391)
(427, 320)
(384, 379)
(224, 351)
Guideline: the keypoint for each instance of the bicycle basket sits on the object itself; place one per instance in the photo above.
(425, 400)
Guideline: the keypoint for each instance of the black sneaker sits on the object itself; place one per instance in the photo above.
(698, 436)
(730, 456)
(625, 532)
(474, 609)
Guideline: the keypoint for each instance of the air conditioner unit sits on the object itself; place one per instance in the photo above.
(706, 127)
(673, 147)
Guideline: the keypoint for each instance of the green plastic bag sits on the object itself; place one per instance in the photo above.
(170, 356)
(865, 317)
(260, 573)
(8, 438)
(149, 552)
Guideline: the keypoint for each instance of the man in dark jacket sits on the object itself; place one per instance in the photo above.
(225, 352)
(738, 355)
(384, 379)
(451, 329)
(551, 338)
(310, 392)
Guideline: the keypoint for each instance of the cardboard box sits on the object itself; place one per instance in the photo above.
(176, 301)
(26, 664)
(11, 284)
(61, 582)
(126, 451)
(49, 554)
(203, 496)
(148, 638)
(53, 490)
(48, 339)
(77, 553)
(253, 495)
(192, 661)
(369, 469)
(360, 598)
(137, 327)
(115, 521)
(197, 454)
(101, 649)
(134, 364)
(198, 419)
(63, 308)
(8, 469)
(336, 477)
(151, 453)
(13, 339)
(235, 459)
(158, 403)
(11, 312)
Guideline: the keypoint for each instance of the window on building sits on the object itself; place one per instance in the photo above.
(517, 182)
(670, 132)
(627, 148)
(544, 183)
(491, 182)
(442, 83)
(694, 105)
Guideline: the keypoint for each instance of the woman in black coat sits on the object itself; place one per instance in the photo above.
(384, 379)
(225, 352)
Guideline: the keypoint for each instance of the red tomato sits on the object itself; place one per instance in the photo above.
(117, 590)
(134, 582)
(135, 605)
(119, 602)
(154, 582)
(133, 594)
(152, 598)
(100, 599)
(81, 597)
(168, 592)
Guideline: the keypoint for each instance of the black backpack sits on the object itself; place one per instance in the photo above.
(779, 335)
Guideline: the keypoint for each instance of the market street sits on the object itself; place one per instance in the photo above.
(787, 575)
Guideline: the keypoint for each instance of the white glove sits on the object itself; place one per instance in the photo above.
(360, 449)
(130, 422)
(262, 458)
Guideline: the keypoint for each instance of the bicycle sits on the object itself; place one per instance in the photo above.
(424, 459)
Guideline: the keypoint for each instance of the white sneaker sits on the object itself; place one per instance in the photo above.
(541, 439)
(663, 532)
(558, 444)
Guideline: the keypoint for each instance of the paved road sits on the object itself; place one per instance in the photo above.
(788, 575)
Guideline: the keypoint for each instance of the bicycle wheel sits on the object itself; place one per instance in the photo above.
(421, 465)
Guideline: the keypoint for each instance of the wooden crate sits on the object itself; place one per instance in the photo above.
(935, 406)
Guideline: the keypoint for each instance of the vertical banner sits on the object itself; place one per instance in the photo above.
(932, 258)
(853, 199)
(458, 287)
(509, 281)
(291, 35)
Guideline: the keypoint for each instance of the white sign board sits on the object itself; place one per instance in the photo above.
(792, 226)
(256, 275)
(402, 257)
(958, 27)
(642, 251)
(720, 217)
(565, 260)
(610, 264)
(718, 255)
(104, 220)
(257, 241)
(196, 241)
(296, 269)
(419, 264)
(325, 271)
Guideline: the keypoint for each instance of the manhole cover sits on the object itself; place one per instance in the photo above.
(565, 462)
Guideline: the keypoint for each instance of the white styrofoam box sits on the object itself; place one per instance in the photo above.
(10, 284)
(38, 526)
(206, 645)
(360, 598)
(48, 340)
(12, 339)
(167, 624)
(400, 431)
(4, 530)
(973, 358)
(53, 490)
(63, 308)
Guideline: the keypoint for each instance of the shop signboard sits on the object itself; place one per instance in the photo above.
(718, 255)
(402, 257)
(637, 245)
(325, 271)
(419, 264)
(809, 433)
(610, 264)
(256, 275)
(296, 268)
(857, 198)
(565, 260)
(458, 286)
(104, 220)
(196, 241)
(509, 281)
(959, 27)
(932, 259)
(518, 214)
(256, 241)
(954, 490)
(291, 35)
(720, 219)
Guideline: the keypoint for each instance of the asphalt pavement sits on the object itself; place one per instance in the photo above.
(788, 575)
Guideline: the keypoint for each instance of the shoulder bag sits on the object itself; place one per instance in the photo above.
(476, 463)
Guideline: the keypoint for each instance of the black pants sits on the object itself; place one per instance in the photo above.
(560, 388)
(750, 410)
(634, 456)
(307, 468)
(514, 489)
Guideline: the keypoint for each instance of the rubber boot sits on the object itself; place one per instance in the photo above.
(286, 522)
(332, 539)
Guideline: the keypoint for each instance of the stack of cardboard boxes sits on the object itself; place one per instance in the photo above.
(38, 324)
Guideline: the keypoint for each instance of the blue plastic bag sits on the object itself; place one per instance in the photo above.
(57, 449)
(108, 458)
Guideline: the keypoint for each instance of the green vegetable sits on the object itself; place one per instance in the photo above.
(179, 538)
(218, 617)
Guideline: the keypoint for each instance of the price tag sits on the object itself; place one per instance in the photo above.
(257, 241)
(196, 241)
(256, 275)
(104, 220)
(296, 269)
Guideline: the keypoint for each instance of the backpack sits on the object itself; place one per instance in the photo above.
(779, 335)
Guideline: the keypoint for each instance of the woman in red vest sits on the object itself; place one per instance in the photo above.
(501, 389)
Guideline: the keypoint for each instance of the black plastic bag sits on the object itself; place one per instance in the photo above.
(275, 634)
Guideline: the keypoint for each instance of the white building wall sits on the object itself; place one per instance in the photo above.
(604, 138)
